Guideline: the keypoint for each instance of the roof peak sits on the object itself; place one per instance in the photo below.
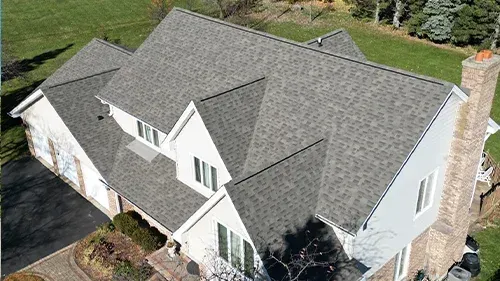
(305, 46)
(116, 47)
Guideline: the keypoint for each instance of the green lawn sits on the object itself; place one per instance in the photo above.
(47, 33)
(489, 240)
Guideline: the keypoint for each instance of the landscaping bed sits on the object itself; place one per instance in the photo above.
(23, 277)
(110, 254)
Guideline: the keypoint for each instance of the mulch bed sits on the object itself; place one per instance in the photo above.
(117, 247)
(23, 277)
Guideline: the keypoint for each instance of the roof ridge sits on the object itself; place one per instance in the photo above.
(280, 161)
(234, 88)
(111, 45)
(326, 35)
(305, 46)
(83, 78)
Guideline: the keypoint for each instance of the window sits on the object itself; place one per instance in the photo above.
(236, 251)
(148, 133)
(401, 267)
(205, 174)
(425, 192)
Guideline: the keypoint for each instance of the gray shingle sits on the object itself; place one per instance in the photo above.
(96, 57)
(77, 106)
(338, 42)
(371, 114)
(152, 186)
(230, 118)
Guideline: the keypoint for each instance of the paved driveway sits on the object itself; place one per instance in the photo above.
(40, 214)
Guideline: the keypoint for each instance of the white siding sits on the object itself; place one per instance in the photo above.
(393, 224)
(194, 140)
(44, 118)
(200, 240)
(128, 123)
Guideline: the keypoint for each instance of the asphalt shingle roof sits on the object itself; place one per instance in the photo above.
(96, 57)
(153, 187)
(338, 42)
(237, 109)
(372, 115)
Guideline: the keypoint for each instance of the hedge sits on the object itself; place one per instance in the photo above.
(132, 225)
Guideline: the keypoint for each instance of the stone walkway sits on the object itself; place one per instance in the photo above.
(58, 266)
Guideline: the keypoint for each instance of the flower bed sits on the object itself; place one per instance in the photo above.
(108, 254)
(23, 277)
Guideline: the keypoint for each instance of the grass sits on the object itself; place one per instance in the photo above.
(47, 33)
(489, 241)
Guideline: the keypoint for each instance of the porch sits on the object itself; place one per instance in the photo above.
(178, 268)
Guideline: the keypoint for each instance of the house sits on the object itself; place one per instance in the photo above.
(232, 140)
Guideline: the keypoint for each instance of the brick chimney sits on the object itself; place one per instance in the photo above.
(447, 235)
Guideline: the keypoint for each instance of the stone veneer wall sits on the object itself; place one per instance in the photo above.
(29, 139)
(447, 235)
(54, 157)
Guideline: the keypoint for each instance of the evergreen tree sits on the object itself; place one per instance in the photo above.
(415, 17)
(475, 23)
(440, 17)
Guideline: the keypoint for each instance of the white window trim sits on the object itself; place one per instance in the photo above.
(433, 189)
(405, 266)
(242, 253)
(143, 139)
(211, 188)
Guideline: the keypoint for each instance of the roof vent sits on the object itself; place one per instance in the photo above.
(100, 117)
(320, 42)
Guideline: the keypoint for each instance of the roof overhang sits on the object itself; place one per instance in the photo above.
(26, 103)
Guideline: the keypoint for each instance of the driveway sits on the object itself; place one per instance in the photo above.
(41, 214)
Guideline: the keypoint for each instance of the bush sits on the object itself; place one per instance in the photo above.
(135, 227)
(125, 223)
(125, 271)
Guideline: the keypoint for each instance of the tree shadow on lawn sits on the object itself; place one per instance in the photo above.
(13, 143)
(16, 68)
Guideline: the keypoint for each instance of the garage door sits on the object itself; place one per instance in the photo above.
(94, 187)
(41, 145)
(67, 166)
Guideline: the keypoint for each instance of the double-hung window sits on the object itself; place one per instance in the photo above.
(401, 266)
(235, 250)
(148, 133)
(205, 174)
(425, 192)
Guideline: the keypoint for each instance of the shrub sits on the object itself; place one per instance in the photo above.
(125, 271)
(135, 227)
(125, 223)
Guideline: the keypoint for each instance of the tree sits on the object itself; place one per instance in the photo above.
(496, 35)
(440, 17)
(415, 17)
(398, 13)
(363, 8)
(475, 23)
